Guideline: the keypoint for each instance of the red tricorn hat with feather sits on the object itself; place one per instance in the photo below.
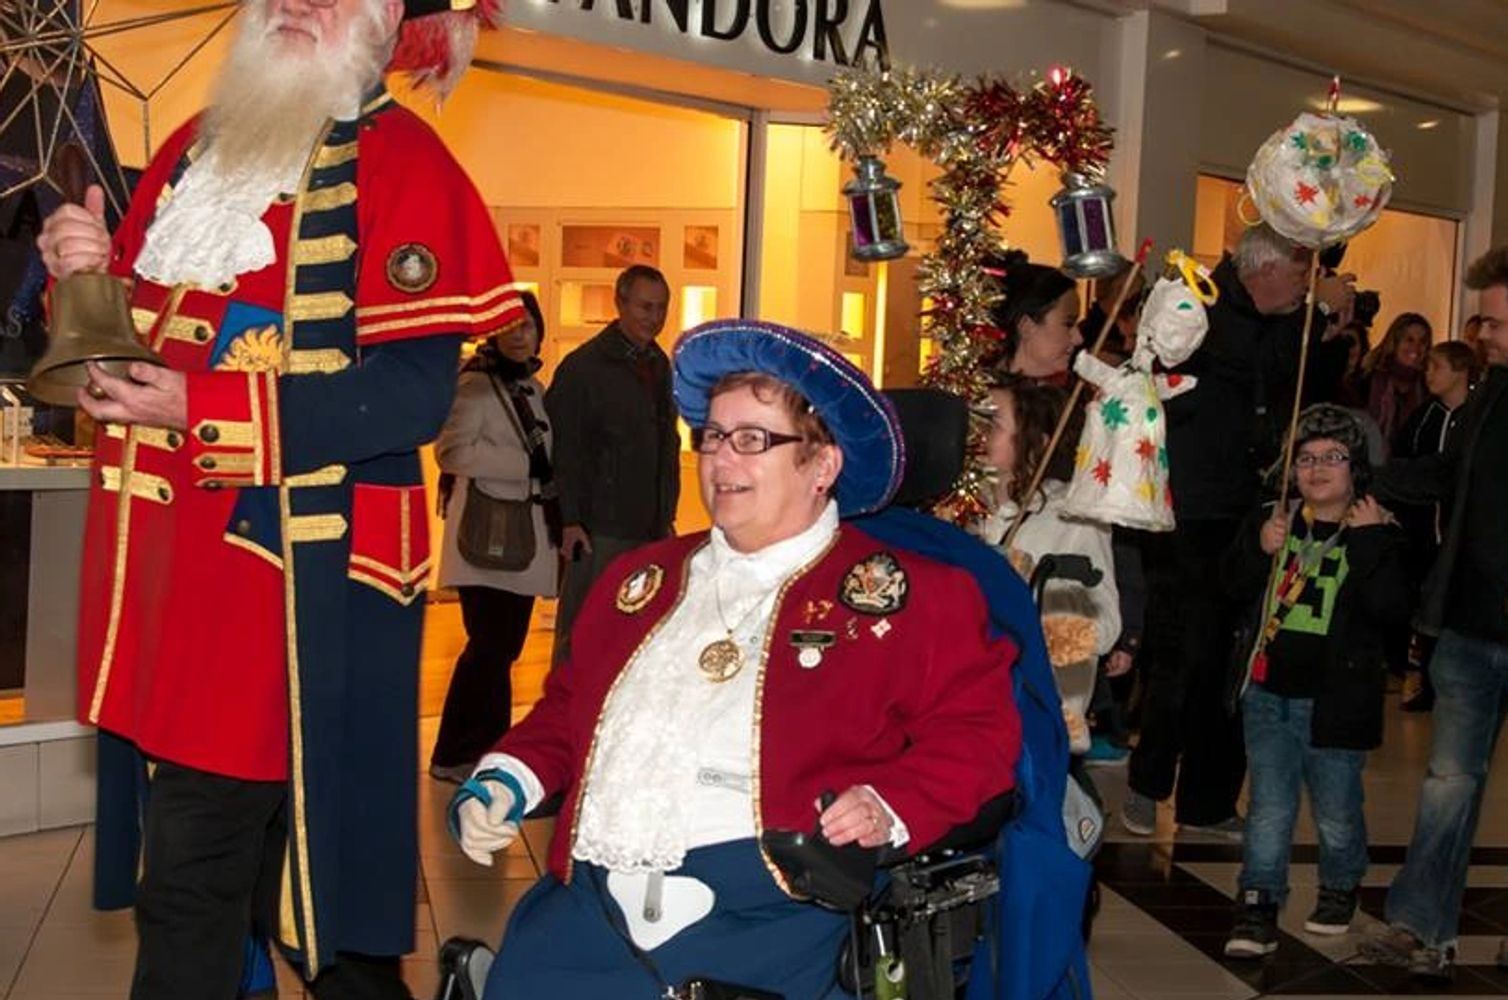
(437, 39)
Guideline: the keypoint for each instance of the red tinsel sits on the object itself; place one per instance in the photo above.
(1065, 123)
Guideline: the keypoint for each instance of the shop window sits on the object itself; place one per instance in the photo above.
(698, 305)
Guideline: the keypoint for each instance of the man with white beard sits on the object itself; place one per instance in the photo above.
(306, 258)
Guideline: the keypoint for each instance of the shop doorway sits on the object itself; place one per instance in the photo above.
(583, 181)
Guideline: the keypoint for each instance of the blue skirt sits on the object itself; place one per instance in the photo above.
(560, 945)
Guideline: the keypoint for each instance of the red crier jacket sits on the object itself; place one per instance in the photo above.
(916, 702)
(184, 639)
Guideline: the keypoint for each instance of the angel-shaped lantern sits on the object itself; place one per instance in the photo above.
(1121, 469)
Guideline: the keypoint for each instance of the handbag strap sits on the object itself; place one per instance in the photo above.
(518, 427)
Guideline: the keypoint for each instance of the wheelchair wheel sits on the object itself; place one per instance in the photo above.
(1091, 907)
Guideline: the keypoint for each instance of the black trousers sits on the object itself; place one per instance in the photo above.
(211, 874)
(479, 704)
(1186, 733)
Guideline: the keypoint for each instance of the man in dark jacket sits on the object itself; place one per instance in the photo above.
(1220, 438)
(1466, 604)
(617, 453)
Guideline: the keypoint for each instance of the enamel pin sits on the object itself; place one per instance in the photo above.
(876, 586)
(809, 645)
(639, 589)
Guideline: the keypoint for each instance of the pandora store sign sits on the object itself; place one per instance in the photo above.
(743, 34)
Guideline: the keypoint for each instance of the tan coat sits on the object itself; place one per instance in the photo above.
(480, 441)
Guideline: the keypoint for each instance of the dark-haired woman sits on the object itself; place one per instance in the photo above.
(1037, 319)
(498, 439)
(1393, 374)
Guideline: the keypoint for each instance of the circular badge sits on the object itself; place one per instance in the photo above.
(412, 268)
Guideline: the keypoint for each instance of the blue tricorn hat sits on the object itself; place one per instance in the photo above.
(862, 421)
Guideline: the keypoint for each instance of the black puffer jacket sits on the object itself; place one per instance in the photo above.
(1374, 596)
(1228, 430)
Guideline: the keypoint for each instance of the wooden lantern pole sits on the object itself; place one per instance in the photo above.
(1073, 399)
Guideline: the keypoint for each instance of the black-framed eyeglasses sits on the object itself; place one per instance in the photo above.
(745, 440)
(1309, 460)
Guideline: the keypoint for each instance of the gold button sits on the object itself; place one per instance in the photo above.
(164, 494)
(174, 439)
(227, 288)
(209, 434)
(201, 333)
(243, 527)
(212, 484)
(207, 462)
(407, 590)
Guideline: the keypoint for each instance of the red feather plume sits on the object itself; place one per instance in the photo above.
(435, 50)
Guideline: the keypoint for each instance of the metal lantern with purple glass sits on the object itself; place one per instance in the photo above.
(875, 209)
(1087, 227)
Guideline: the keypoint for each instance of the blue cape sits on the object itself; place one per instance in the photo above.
(1037, 949)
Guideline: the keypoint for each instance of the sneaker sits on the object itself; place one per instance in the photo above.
(1233, 828)
(1433, 963)
(1390, 944)
(1139, 813)
(1332, 914)
(1103, 753)
(1256, 927)
(456, 774)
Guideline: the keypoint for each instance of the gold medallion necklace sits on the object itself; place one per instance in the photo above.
(722, 659)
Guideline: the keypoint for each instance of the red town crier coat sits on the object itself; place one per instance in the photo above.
(916, 703)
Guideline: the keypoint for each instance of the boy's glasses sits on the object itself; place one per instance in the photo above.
(745, 440)
(1309, 460)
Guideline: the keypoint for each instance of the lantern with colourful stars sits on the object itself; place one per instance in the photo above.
(1320, 180)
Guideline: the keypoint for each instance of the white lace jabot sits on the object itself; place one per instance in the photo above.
(211, 230)
(664, 721)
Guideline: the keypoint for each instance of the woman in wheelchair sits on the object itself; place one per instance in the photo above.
(723, 686)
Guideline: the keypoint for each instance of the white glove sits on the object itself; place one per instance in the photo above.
(485, 829)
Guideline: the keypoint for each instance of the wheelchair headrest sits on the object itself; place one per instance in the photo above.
(935, 426)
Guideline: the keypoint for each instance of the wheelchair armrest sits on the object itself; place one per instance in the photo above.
(974, 835)
(839, 878)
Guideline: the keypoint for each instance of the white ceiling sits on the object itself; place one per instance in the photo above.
(1455, 51)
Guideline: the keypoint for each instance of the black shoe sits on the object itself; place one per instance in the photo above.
(1256, 927)
(1433, 964)
(1332, 914)
(464, 965)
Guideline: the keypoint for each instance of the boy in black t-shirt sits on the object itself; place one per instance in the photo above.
(1313, 707)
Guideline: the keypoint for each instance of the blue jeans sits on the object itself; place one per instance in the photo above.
(1471, 696)
(1279, 762)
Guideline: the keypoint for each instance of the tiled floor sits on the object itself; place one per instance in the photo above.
(1164, 916)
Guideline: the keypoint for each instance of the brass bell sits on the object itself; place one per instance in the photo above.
(91, 321)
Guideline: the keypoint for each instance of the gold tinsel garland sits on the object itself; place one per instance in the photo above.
(976, 132)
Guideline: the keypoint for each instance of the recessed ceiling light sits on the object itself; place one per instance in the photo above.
(1428, 123)
(1172, 53)
(1346, 105)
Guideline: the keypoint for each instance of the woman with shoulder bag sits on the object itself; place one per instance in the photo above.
(502, 533)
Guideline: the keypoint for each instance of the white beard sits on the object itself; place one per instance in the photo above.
(271, 103)
(268, 121)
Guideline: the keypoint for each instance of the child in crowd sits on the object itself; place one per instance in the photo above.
(1313, 707)
(1450, 372)
(1082, 623)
